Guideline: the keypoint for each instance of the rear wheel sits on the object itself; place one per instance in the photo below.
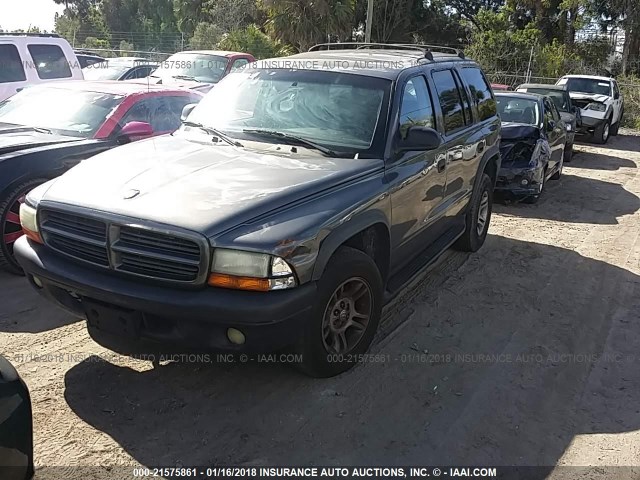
(10, 223)
(346, 314)
(478, 217)
(616, 126)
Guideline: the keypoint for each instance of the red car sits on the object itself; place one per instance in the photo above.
(198, 70)
(49, 128)
(501, 87)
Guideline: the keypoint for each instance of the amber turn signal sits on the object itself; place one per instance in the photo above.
(239, 283)
(35, 236)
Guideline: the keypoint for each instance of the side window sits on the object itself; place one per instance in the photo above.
(480, 91)
(11, 70)
(468, 115)
(416, 107)
(239, 63)
(49, 61)
(548, 113)
(450, 100)
(616, 90)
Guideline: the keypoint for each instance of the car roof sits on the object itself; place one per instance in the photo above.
(220, 53)
(592, 77)
(113, 87)
(382, 63)
(520, 95)
(124, 61)
(546, 86)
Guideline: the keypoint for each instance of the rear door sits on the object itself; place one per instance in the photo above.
(13, 76)
(464, 138)
(617, 102)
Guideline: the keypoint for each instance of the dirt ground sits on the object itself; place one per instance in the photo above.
(526, 353)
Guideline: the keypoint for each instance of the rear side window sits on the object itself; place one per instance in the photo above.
(10, 65)
(480, 91)
(450, 100)
(49, 61)
(416, 108)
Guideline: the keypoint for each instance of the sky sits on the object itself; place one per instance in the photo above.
(22, 13)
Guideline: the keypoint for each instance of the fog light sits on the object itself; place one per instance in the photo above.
(235, 336)
(37, 281)
(524, 182)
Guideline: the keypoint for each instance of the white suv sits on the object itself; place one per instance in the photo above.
(600, 103)
(29, 59)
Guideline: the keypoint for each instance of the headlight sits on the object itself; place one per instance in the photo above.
(597, 106)
(242, 270)
(29, 222)
(569, 127)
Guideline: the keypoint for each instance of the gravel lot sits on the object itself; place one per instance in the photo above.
(526, 353)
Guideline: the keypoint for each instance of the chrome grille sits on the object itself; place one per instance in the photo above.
(129, 249)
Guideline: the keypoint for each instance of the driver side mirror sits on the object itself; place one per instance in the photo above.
(551, 126)
(420, 139)
(616, 96)
(186, 110)
(133, 131)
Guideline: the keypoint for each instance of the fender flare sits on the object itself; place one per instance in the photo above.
(341, 234)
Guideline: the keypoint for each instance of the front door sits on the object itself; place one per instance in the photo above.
(417, 179)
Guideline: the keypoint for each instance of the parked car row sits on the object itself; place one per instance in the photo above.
(29, 59)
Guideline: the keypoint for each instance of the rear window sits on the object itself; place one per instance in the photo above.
(10, 65)
(49, 61)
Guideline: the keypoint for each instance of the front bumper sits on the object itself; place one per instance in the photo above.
(589, 123)
(512, 181)
(131, 317)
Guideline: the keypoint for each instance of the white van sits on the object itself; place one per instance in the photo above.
(34, 58)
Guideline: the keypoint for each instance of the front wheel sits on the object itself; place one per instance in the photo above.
(478, 217)
(346, 314)
(10, 223)
(602, 132)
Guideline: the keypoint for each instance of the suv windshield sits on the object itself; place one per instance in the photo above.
(339, 110)
(588, 85)
(192, 66)
(70, 112)
(518, 110)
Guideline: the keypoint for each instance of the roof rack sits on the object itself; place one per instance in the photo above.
(427, 50)
(24, 34)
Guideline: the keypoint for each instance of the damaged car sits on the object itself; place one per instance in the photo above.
(533, 145)
(568, 111)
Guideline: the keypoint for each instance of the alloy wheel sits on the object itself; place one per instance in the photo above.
(347, 316)
(11, 229)
(483, 213)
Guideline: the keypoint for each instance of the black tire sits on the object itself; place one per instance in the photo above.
(8, 227)
(558, 174)
(533, 199)
(346, 265)
(602, 133)
(615, 128)
(568, 153)
(473, 237)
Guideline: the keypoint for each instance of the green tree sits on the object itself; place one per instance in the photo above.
(252, 40)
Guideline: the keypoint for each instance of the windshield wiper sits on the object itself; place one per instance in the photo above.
(295, 139)
(186, 77)
(215, 132)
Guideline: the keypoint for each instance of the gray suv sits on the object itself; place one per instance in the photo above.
(298, 198)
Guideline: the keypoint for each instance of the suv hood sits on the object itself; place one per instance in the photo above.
(14, 138)
(198, 185)
(587, 96)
